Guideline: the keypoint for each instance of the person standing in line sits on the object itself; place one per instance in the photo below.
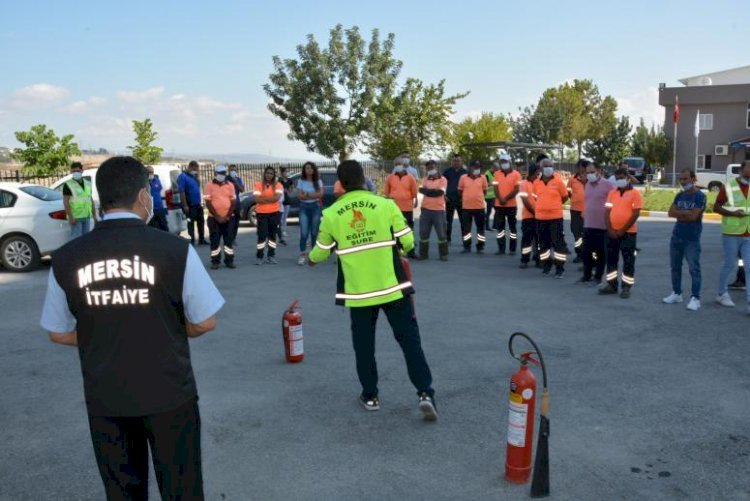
(623, 208)
(402, 188)
(267, 194)
(733, 203)
(472, 187)
(506, 188)
(288, 185)
(366, 230)
(310, 194)
(220, 197)
(576, 185)
(452, 198)
(489, 196)
(409, 166)
(687, 208)
(239, 187)
(433, 212)
(594, 249)
(551, 194)
(129, 297)
(529, 237)
(79, 205)
(190, 196)
(159, 221)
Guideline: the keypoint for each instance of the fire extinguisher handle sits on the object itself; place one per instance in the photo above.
(294, 305)
(526, 356)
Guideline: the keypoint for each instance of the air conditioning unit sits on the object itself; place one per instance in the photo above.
(721, 150)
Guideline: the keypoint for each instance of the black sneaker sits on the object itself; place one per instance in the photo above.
(559, 274)
(737, 286)
(625, 292)
(583, 280)
(545, 271)
(230, 265)
(370, 404)
(480, 251)
(427, 406)
(282, 242)
(215, 266)
(608, 289)
(466, 251)
(523, 266)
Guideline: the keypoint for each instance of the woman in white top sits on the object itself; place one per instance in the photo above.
(310, 194)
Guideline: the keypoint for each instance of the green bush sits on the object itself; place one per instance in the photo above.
(661, 200)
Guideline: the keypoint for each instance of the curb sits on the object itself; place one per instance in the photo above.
(706, 217)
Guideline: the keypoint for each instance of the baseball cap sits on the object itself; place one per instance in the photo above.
(475, 163)
(220, 169)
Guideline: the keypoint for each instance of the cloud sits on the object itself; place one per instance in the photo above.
(139, 97)
(641, 105)
(83, 106)
(35, 96)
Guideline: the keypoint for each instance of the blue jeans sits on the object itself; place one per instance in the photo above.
(309, 222)
(732, 246)
(80, 228)
(690, 250)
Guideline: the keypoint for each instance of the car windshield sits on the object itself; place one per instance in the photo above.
(42, 193)
(634, 162)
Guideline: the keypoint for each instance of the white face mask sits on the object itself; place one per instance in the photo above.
(78, 176)
(476, 172)
(505, 166)
(548, 171)
(432, 173)
(233, 173)
(150, 177)
(220, 177)
(621, 183)
(149, 209)
(398, 169)
(592, 177)
(744, 180)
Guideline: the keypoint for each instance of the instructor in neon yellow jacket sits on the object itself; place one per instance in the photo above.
(369, 233)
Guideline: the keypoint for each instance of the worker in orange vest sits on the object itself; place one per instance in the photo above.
(472, 187)
(506, 188)
(529, 240)
(402, 188)
(576, 185)
(551, 193)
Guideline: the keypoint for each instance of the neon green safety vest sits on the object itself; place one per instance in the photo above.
(364, 228)
(490, 193)
(80, 200)
(736, 200)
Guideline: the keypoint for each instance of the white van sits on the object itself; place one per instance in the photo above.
(170, 194)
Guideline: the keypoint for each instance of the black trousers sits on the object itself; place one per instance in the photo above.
(400, 315)
(267, 233)
(529, 241)
(121, 446)
(626, 246)
(218, 232)
(196, 219)
(576, 227)
(236, 224)
(159, 221)
(503, 214)
(467, 216)
(409, 216)
(594, 253)
(551, 243)
(452, 206)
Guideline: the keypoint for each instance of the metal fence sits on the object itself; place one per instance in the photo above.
(20, 177)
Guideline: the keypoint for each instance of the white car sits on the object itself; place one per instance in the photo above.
(32, 224)
(169, 193)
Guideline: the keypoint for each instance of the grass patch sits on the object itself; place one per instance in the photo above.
(661, 200)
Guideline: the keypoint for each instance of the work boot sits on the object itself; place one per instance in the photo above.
(424, 251)
(443, 250)
(523, 265)
(608, 289)
(467, 250)
(625, 292)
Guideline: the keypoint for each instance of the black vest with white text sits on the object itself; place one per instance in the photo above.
(123, 282)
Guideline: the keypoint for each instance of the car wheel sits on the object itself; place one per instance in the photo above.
(19, 253)
(252, 217)
(714, 186)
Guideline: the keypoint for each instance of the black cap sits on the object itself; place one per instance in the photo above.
(475, 163)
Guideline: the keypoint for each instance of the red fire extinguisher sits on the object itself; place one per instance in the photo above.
(291, 328)
(521, 413)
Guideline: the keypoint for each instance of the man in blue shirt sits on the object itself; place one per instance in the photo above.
(687, 208)
(159, 220)
(452, 196)
(192, 202)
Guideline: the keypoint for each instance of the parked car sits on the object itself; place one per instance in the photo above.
(170, 194)
(637, 167)
(32, 224)
(247, 199)
(715, 180)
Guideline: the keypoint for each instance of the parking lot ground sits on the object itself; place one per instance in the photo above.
(647, 401)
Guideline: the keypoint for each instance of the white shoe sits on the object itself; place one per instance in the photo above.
(673, 298)
(694, 304)
(302, 260)
(725, 300)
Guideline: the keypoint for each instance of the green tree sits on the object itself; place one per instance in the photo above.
(613, 145)
(652, 144)
(326, 95)
(45, 153)
(487, 128)
(416, 120)
(641, 135)
(538, 125)
(145, 136)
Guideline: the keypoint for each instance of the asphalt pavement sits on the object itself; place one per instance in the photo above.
(647, 401)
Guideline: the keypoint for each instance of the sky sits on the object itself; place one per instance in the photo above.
(197, 68)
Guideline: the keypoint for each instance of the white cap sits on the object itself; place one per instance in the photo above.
(220, 169)
(505, 157)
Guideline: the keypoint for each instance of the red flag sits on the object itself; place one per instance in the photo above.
(676, 113)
